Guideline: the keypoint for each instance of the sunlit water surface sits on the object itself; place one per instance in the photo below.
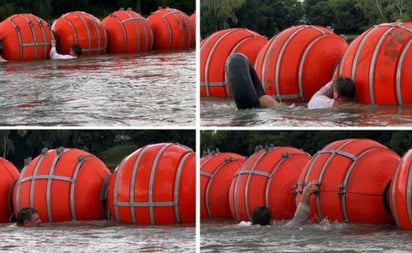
(223, 112)
(150, 89)
(99, 236)
(225, 236)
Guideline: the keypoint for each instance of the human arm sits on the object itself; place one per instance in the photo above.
(302, 212)
(56, 56)
(323, 98)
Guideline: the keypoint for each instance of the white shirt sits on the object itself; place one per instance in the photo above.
(56, 56)
(322, 98)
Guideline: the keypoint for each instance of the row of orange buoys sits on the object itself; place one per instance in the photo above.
(295, 63)
(26, 37)
(155, 185)
(361, 180)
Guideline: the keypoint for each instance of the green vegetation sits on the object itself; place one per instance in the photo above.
(109, 145)
(268, 17)
(113, 156)
(245, 142)
(52, 9)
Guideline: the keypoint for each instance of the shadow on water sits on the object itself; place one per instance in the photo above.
(223, 112)
(157, 88)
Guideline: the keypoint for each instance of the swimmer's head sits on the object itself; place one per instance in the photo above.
(28, 217)
(344, 89)
(75, 50)
(262, 216)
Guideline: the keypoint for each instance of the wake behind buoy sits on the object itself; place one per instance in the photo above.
(127, 32)
(379, 61)
(400, 198)
(214, 52)
(155, 185)
(25, 37)
(353, 175)
(267, 179)
(171, 29)
(9, 175)
(216, 173)
(62, 185)
(297, 62)
(80, 28)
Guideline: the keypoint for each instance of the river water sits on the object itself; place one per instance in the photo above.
(226, 236)
(97, 236)
(223, 113)
(148, 89)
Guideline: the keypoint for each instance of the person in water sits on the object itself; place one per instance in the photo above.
(75, 52)
(28, 217)
(263, 216)
(338, 91)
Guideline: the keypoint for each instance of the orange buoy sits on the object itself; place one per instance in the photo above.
(267, 178)
(171, 29)
(9, 175)
(379, 61)
(80, 28)
(25, 37)
(216, 173)
(214, 52)
(192, 20)
(62, 185)
(299, 61)
(155, 185)
(400, 193)
(354, 175)
(127, 32)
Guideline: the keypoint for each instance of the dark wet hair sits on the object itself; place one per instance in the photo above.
(345, 88)
(77, 50)
(24, 214)
(262, 216)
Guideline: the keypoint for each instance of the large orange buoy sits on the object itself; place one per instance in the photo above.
(8, 176)
(214, 52)
(400, 193)
(267, 178)
(379, 61)
(62, 185)
(299, 61)
(171, 29)
(127, 32)
(354, 176)
(155, 185)
(192, 20)
(216, 173)
(80, 28)
(25, 37)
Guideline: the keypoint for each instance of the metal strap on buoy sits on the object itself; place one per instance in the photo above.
(207, 84)
(249, 174)
(211, 177)
(399, 72)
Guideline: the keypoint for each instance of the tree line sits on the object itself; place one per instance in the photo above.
(52, 9)
(17, 145)
(268, 17)
(246, 142)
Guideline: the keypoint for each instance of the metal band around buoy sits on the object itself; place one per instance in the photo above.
(211, 177)
(357, 53)
(280, 58)
(373, 64)
(249, 174)
(209, 58)
(59, 154)
(132, 184)
(124, 32)
(271, 175)
(178, 177)
(393, 193)
(81, 160)
(151, 181)
(399, 72)
(302, 64)
(169, 28)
